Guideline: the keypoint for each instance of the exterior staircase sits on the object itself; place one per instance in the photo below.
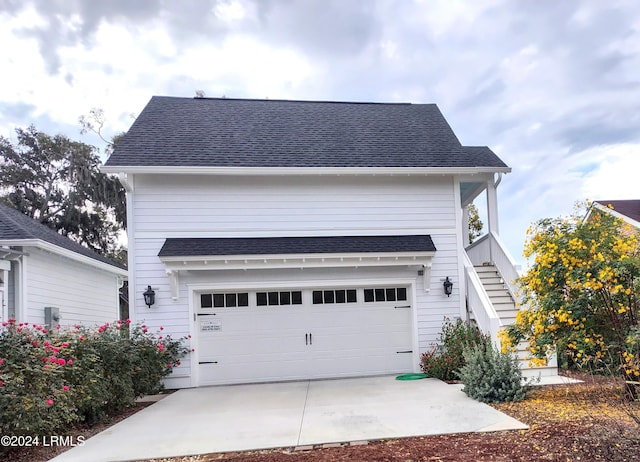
(504, 304)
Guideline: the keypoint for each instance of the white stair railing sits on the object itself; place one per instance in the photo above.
(479, 303)
(490, 249)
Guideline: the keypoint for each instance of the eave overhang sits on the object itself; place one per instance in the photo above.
(54, 249)
(174, 265)
(285, 171)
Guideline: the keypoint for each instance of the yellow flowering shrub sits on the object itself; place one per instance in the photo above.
(581, 294)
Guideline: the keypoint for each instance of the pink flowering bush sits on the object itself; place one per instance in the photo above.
(32, 395)
(49, 379)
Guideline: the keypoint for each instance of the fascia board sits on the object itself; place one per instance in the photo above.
(285, 171)
(47, 246)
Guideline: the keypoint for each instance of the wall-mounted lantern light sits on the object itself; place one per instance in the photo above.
(149, 296)
(448, 286)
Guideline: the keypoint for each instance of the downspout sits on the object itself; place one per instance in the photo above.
(127, 183)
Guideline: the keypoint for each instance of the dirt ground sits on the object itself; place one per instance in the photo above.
(580, 422)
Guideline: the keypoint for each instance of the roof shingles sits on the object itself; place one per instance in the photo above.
(15, 226)
(190, 247)
(215, 132)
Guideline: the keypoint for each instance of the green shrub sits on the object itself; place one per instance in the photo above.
(491, 376)
(444, 360)
(34, 397)
(50, 379)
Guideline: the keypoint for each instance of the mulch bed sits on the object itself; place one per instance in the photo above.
(580, 422)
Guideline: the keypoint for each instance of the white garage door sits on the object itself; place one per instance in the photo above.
(270, 335)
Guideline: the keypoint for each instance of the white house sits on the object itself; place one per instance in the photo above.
(302, 239)
(47, 279)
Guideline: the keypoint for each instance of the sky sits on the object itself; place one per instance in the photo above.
(552, 87)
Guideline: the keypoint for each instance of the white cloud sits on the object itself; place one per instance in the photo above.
(616, 175)
(554, 91)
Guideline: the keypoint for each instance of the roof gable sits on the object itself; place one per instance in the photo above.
(16, 226)
(214, 132)
(628, 208)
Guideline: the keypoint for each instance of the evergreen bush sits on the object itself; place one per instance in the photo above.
(491, 376)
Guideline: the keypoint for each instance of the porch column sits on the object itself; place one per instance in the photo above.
(465, 226)
(492, 207)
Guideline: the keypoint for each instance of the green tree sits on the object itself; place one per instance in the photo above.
(475, 224)
(582, 292)
(57, 181)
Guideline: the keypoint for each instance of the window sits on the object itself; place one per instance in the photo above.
(275, 298)
(334, 296)
(224, 300)
(390, 294)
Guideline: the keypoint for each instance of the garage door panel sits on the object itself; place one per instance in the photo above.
(319, 338)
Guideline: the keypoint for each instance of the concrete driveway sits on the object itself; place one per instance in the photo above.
(258, 416)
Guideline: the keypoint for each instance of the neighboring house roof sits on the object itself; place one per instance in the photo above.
(626, 209)
(222, 132)
(16, 227)
(183, 247)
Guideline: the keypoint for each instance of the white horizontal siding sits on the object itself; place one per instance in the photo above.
(84, 295)
(192, 206)
(291, 206)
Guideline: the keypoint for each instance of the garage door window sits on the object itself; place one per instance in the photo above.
(388, 294)
(334, 296)
(293, 297)
(224, 300)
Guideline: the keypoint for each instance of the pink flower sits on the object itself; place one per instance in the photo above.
(49, 402)
(65, 387)
(160, 346)
(128, 321)
(53, 359)
(144, 326)
(168, 365)
(64, 344)
(161, 328)
(5, 324)
(46, 343)
(61, 362)
(1, 361)
(45, 359)
(34, 343)
(189, 336)
(46, 366)
(1, 383)
(44, 331)
(70, 362)
(178, 363)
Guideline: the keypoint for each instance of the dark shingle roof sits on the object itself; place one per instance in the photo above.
(276, 133)
(15, 226)
(189, 247)
(628, 208)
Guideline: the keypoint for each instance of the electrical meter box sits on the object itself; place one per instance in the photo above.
(51, 316)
